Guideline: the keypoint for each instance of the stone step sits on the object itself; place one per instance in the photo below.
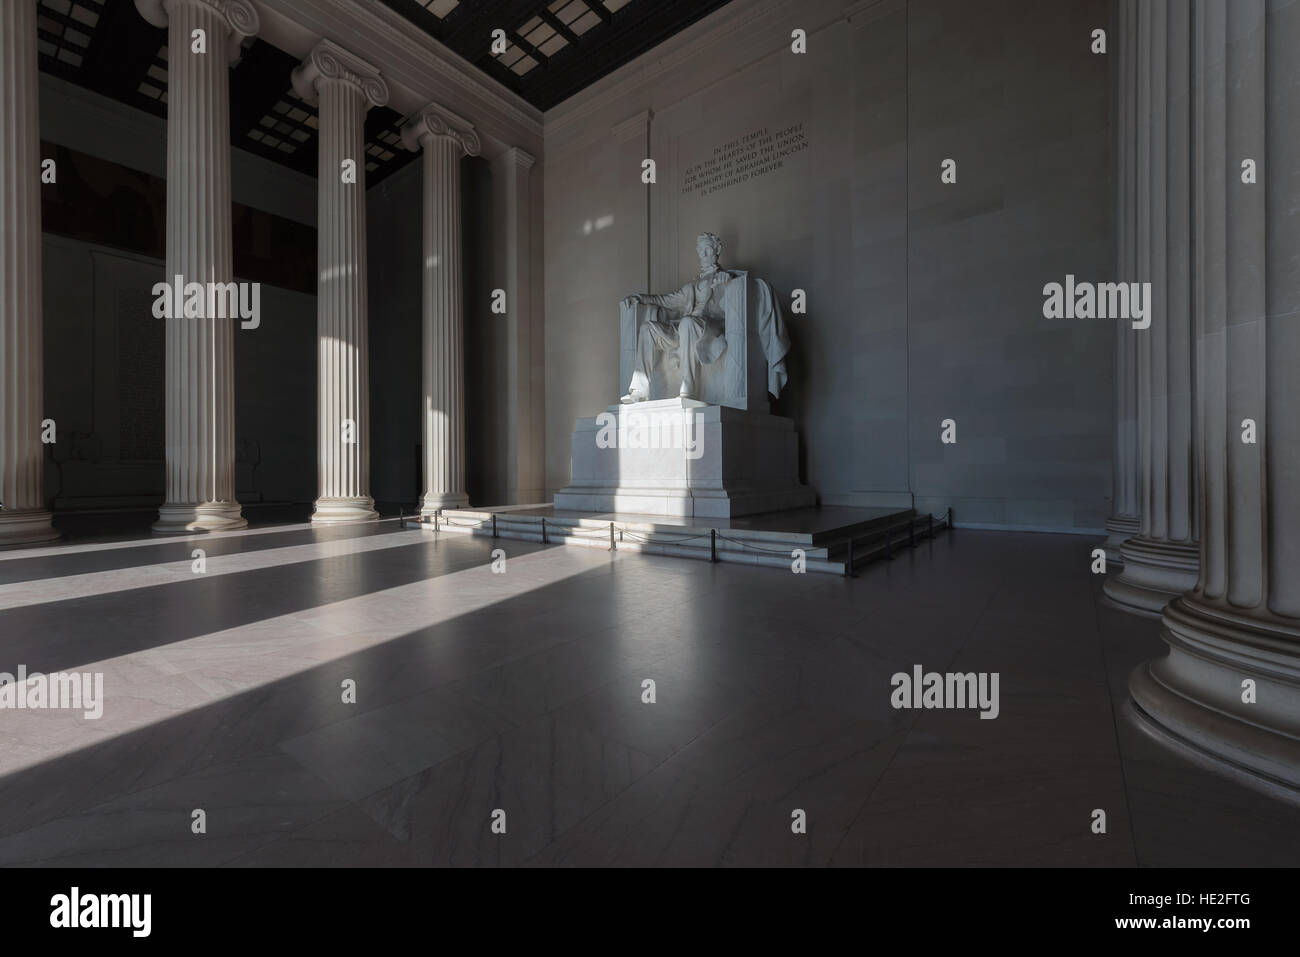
(825, 551)
(645, 537)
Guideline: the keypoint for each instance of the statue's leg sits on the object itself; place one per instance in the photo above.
(689, 332)
(651, 337)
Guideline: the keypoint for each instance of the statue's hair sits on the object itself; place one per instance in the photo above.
(712, 240)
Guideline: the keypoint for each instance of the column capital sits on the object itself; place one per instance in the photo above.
(633, 126)
(514, 156)
(435, 122)
(240, 16)
(329, 61)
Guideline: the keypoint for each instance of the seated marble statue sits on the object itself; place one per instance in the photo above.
(692, 323)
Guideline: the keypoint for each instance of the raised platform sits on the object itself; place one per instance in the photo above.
(684, 458)
(833, 538)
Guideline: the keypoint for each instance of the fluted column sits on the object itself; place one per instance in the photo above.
(200, 374)
(344, 87)
(1160, 562)
(444, 138)
(1123, 522)
(1229, 686)
(23, 518)
(524, 479)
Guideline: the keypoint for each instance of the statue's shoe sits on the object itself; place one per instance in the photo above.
(632, 397)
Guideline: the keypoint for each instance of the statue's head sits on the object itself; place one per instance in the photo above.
(709, 248)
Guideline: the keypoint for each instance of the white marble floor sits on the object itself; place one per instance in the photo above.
(523, 692)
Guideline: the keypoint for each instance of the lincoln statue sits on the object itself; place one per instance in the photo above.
(691, 322)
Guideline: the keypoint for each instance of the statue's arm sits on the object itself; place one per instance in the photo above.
(680, 300)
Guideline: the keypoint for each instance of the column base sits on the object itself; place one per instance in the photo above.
(434, 501)
(26, 527)
(1121, 529)
(205, 517)
(1155, 572)
(1192, 697)
(339, 511)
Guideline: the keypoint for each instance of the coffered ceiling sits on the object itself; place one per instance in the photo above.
(554, 48)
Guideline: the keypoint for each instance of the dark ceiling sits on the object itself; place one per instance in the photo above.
(555, 49)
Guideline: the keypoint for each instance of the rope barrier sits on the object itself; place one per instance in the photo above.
(450, 521)
(770, 551)
(630, 536)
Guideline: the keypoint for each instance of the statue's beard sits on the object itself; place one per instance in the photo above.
(708, 270)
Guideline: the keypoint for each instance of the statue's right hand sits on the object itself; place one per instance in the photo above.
(632, 300)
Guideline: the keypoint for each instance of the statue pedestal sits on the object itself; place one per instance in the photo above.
(686, 458)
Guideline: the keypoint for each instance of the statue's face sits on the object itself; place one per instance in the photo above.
(708, 255)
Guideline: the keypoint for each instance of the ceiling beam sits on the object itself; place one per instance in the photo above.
(638, 27)
(380, 119)
(256, 85)
(470, 32)
(502, 74)
(612, 40)
(556, 24)
(261, 80)
(122, 48)
(528, 48)
(598, 8)
(421, 17)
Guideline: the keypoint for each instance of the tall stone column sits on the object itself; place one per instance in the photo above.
(200, 373)
(1123, 522)
(1160, 562)
(23, 518)
(1229, 687)
(344, 87)
(525, 481)
(445, 138)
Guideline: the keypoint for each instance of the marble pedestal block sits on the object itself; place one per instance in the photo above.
(687, 458)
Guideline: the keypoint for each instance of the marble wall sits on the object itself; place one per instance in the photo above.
(104, 384)
(102, 253)
(393, 228)
(393, 232)
(924, 298)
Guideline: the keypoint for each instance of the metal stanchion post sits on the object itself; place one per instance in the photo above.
(611, 529)
(713, 544)
(544, 541)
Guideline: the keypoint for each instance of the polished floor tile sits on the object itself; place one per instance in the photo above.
(372, 696)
